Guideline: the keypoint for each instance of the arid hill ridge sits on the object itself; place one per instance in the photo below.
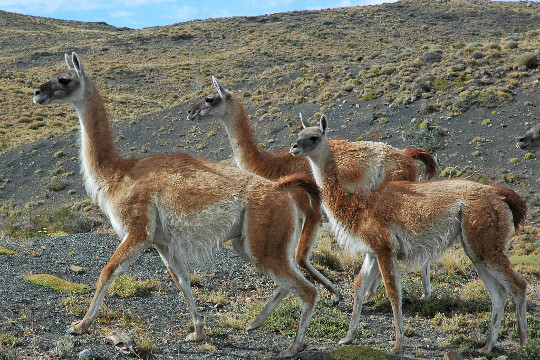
(458, 78)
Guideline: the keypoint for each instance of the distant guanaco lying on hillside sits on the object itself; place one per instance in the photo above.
(184, 206)
(414, 222)
(531, 139)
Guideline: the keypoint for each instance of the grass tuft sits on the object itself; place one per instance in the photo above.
(9, 340)
(126, 286)
(55, 283)
(5, 251)
(350, 352)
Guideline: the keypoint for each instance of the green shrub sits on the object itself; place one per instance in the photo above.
(421, 134)
(372, 95)
(56, 184)
(441, 84)
(528, 60)
(511, 44)
(328, 322)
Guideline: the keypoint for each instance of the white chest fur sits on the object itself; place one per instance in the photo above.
(344, 238)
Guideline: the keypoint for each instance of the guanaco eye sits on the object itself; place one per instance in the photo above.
(209, 100)
(64, 81)
(314, 138)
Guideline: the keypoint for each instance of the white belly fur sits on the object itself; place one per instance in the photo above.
(196, 236)
(410, 248)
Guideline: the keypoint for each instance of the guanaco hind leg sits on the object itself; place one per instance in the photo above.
(390, 271)
(181, 279)
(501, 280)
(306, 240)
(364, 280)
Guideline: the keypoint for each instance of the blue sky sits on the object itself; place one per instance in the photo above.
(144, 13)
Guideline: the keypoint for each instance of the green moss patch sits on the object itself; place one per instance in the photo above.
(5, 251)
(9, 340)
(55, 283)
(357, 353)
(126, 286)
(528, 260)
(327, 323)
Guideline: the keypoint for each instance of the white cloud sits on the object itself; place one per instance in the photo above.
(268, 4)
(182, 13)
(121, 14)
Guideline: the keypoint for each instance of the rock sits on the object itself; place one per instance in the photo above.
(451, 355)
(88, 354)
(77, 269)
(122, 341)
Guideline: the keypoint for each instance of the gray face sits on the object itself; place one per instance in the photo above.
(209, 107)
(308, 141)
(531, 139)
(63, 87)
(212, 106)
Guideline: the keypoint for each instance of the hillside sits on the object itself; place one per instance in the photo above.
(449, 76)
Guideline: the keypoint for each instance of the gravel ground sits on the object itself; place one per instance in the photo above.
(35, 314)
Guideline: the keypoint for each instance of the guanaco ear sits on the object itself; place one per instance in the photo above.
(305, 123)
(220, 89)
(323, 124)
(74, 63)
(69, 62)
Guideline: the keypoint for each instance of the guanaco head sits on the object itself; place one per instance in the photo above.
(212, 106)
(64, 87)
(310, 138)
(531, 139)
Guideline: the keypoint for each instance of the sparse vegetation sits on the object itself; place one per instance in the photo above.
(55, 283)
(350, 352)
(126, 285)
(318, 65)
(9, 340)
(44, 222)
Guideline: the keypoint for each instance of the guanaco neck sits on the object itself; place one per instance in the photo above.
(246, 151)
(324, 170)
(101, 162)
(335, 197)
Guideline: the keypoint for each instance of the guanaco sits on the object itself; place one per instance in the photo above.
(185, 207)
(412, 223)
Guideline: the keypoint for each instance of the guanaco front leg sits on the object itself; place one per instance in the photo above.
(306, 241)
(134, 243)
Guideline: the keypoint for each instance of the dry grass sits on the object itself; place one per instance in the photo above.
(305, 62)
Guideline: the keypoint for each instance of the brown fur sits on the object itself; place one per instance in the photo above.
(353, 159)
(163, 200)
(400, 220)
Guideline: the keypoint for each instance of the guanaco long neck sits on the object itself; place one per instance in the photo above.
(246, 151)
(101, 162)
(325, 171)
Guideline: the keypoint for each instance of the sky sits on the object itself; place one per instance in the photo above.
(138, 14)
